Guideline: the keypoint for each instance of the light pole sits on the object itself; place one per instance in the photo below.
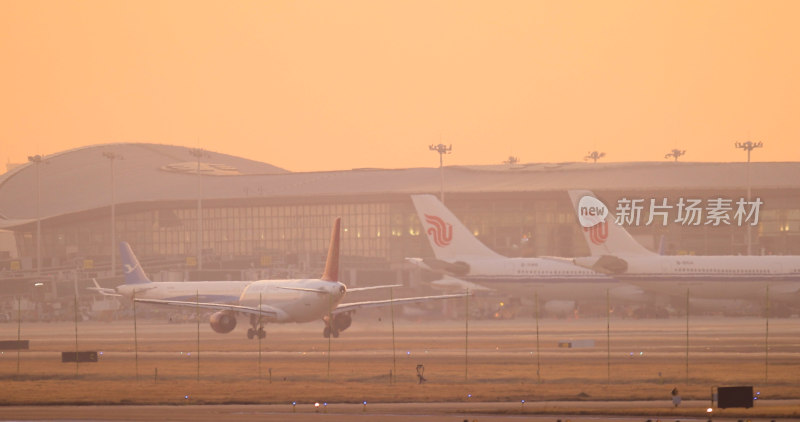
(111, 157)
(199, 153)
(442, 149)
(36, 160)
(594, 155)
(675, 153)
(748, 146)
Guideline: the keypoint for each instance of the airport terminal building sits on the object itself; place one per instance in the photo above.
(250, 216)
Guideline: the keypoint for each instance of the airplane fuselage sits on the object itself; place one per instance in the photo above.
(188, 291)
(549, 278)
(302, 300)
(721, 277)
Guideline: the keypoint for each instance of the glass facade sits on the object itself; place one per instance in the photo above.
(382, 232)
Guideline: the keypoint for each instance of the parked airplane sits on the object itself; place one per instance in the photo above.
(461, 255)
(136, 280)
(615, 252)
(283, 301)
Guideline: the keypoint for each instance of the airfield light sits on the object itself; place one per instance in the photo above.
(709, 410)
(294, 405)
(364, 409)
(186, 397)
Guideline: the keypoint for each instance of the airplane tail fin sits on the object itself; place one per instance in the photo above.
(449, 238)
(606, 237)
(130, 266)
(331, 272)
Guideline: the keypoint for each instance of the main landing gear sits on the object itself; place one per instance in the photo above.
(257, 330)
(336, 324)
(327, 332)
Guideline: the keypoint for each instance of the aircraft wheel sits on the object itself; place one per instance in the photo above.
(326, 332)
(250, 333)
(261, 333)
(335, 333)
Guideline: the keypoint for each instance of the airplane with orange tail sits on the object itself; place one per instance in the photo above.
(295, 300)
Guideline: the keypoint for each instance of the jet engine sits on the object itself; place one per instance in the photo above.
(458, 268)
(606, 264)
(342, 321)
(223, 322)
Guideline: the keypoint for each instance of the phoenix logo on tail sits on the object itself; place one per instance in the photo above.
(441, 232)
(598, 233)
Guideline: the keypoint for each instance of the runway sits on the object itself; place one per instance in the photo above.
(623, 368)
(420, 412)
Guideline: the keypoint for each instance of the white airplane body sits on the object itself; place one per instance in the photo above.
(300, 300)
(459, 254)
(615, 252)
(137, 283)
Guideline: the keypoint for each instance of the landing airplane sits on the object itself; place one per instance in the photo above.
(615, 252)
(460, 255)
(136, 281)
(284, 301)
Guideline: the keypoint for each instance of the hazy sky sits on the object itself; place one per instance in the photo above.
(324, 85)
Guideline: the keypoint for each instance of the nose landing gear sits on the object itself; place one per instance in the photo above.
(257, 330)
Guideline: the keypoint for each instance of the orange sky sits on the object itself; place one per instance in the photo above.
(325, 85)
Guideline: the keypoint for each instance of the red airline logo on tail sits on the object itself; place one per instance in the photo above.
(441, 232)
(598, 233)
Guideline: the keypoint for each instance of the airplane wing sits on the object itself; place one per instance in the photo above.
(361, 289)
(453, 283)
(347, 307)
(265, 311)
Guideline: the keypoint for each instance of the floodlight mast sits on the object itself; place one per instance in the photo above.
(675, 153)
(748, 146)
(37, 160)
(442, 149)
(594, 155)
(199, 153)
(111, 157)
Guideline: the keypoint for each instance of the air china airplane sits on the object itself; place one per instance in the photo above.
(136, 280)
(615, 252)
(284, 301)
(471, 264)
